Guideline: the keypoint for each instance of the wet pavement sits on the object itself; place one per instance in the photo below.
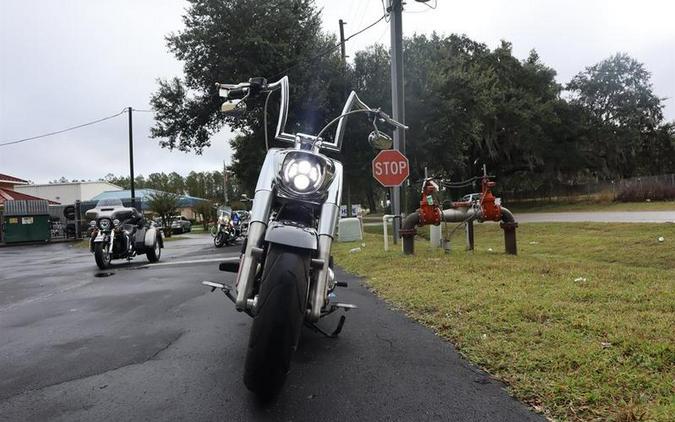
(148, 342)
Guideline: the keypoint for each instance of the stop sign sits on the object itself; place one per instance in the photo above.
(390, 168)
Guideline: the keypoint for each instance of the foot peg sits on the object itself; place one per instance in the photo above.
(341, 284)
(227, 290)
(345, 306)
(230, 265)
(213, 285)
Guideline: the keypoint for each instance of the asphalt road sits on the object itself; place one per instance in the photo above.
(148, 342)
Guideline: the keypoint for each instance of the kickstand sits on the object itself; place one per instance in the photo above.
(334, 334)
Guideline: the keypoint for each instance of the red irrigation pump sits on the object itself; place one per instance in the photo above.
(486, 209)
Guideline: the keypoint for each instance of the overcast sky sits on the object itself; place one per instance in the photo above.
(68, 62)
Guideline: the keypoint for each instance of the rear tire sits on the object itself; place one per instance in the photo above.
(101, 256)
(156, 252)
(280, 312)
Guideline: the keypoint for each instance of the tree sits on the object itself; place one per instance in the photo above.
(232, 41)
(207, 211)
(121, 181)
(175, 183)
(618, 94)
(159, 181)
(165, 204)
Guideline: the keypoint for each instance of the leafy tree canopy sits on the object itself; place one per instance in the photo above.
(466, 104)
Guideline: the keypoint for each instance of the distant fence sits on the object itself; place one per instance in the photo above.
(661, 187)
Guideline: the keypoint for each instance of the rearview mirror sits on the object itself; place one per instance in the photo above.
(380, 140)
(233, 107)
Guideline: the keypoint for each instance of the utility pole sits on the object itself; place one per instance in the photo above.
(343, 51)
(225, 183)
(397, 105)
(342, 42)
(131, 159)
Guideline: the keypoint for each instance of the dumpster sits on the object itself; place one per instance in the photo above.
(26, 221)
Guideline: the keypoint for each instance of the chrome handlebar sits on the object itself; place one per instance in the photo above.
(254, 86)
(229, 91)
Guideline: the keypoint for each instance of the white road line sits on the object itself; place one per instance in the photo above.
(194, 261)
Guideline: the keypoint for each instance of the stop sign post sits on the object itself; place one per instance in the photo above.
(390, 168)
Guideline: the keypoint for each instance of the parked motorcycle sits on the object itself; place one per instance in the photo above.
(225, 232)
(285, 274)
(119, 232)
(241, 219)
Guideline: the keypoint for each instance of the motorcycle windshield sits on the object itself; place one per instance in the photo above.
(109, 203)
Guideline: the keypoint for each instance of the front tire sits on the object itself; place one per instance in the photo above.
(282, 303)
(101, 255)
(219, 240)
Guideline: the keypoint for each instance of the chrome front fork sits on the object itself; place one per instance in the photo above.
(248, 265)
(260, 214)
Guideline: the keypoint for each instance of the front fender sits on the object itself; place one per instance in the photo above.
(292, 235)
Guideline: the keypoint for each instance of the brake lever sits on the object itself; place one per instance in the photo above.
(385, 117)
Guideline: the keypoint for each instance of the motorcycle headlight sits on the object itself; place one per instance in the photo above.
(116, 222)
(92, 223)
(104, 224)
(302, 173)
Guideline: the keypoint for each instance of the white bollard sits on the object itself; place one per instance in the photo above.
(385, 221)
(435, 234)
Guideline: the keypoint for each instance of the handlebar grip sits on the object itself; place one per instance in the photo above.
(236, 93)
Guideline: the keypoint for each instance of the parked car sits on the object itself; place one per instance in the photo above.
(181, 224)
(471, 197)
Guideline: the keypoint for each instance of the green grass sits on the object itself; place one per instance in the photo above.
(174, 237)
(83, 244)
(590, 206)
(579, 325)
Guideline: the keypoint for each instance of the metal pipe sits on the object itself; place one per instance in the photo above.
(509, 226)
(408, 232)
(458, 215)
(468, 231)
(507, 216)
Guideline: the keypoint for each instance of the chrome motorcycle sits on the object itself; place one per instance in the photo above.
(284, 274)
(119, 232)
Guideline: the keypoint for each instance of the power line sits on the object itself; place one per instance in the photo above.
(93, 122)
(328, 50)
